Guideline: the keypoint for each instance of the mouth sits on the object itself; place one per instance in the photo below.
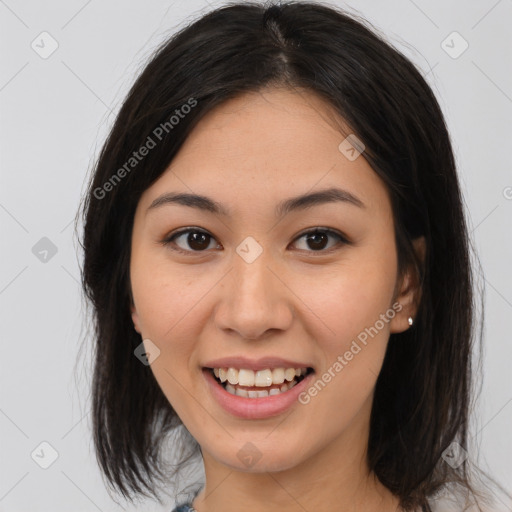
(247, 383)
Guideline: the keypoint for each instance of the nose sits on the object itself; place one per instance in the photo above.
(255, 300)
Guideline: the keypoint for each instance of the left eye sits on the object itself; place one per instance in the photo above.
(317, 238)
(199, 241)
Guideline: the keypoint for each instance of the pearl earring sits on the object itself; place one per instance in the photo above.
(410, 320)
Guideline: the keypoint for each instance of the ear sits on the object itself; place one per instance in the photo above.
(135, 317)
(409, 293)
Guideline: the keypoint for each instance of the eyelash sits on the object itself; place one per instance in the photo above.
(342, 240)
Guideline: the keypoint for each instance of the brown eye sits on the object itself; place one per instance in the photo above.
(195, 240)
(192, 240)
(318, 239)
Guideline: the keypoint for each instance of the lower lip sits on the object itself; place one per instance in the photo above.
(255, 408)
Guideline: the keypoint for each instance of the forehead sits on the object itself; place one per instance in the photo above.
(261, 147)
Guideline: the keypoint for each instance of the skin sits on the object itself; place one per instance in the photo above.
(293, 301)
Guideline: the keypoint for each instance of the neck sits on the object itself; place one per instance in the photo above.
(334, 478)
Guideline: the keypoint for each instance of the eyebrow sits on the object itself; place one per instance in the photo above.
(302, 202)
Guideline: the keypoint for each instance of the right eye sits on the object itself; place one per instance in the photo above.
(196, 239)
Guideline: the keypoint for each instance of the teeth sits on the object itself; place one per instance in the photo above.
(246, 378)
(260, 393)
(289, 374)
(261, 378)
(232, 376)
(278, 376)
(241, 392)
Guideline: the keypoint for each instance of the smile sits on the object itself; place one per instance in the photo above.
(269, 398)
(258, 384)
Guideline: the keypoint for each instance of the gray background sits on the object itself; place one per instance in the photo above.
(55, 113)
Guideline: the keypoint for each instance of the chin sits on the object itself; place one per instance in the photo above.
(249, 459)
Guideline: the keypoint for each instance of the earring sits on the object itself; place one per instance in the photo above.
(410, 320)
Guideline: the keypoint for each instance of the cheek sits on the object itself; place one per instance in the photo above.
(167, 300)
(170, 303)
(355, 313)
(352, 297)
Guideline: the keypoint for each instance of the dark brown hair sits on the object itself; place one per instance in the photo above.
(422, 395)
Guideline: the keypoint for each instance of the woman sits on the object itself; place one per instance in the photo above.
(277, 257)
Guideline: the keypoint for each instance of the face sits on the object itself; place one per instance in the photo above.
(250, 284)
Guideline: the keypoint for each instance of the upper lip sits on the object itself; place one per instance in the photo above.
(240, 362)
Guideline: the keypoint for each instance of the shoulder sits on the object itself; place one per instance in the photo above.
(457, 503)
(183, 508)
